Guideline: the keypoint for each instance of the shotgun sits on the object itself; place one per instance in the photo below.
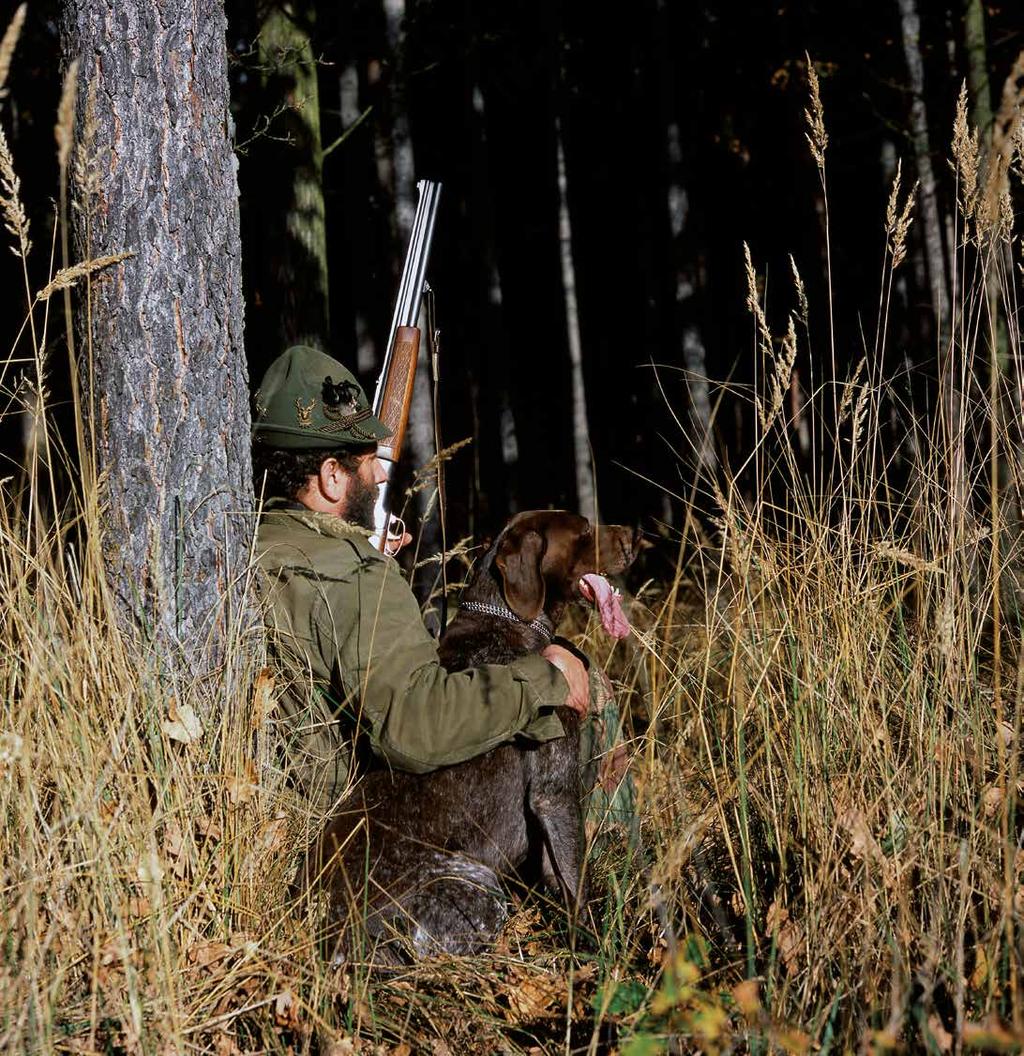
(393, 394)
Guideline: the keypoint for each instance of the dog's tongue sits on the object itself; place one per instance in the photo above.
(606, 599)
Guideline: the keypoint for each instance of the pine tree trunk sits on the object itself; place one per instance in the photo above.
(290, 260)
(163, 367)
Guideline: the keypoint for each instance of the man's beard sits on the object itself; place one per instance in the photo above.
(361, 502)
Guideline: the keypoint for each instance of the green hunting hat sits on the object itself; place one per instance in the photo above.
(308, 400)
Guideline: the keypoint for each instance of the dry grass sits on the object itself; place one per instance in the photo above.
(824, 711)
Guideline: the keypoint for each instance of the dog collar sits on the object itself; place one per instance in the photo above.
(541, 625)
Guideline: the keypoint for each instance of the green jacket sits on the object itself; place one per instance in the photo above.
(361, 669)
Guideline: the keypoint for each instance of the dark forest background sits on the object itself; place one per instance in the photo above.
(680, 127)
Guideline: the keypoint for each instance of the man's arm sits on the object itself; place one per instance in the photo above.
(417, 715)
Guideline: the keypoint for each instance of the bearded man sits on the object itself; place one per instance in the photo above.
(363, 685)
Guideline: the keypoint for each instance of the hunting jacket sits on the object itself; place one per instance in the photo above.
(362, 685)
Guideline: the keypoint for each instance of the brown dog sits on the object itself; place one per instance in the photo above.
(417, 858)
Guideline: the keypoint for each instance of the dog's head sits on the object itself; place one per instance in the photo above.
(546, 558)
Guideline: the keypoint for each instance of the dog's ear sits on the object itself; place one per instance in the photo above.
(518, 560)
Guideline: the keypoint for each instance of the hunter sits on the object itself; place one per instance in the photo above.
(363, 682)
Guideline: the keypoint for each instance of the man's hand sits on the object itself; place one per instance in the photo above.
(575, 674)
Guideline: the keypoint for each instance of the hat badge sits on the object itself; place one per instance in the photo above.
(340, 399)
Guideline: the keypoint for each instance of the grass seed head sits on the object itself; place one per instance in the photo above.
(8, 44)
(850, 389)
(67, 277)
(15, 218)
(898, 219)
(817, 137)
(803, 312)
(64, 130)
(965, 156)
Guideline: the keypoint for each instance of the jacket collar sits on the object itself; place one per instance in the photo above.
(283, 511)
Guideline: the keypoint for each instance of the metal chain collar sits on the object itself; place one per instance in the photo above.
(540, 625)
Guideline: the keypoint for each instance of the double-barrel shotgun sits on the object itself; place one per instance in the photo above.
(393, 395)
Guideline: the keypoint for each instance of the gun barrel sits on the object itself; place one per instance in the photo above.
(414, 274)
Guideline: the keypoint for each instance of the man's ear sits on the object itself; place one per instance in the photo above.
(332, 480)
(518, 560)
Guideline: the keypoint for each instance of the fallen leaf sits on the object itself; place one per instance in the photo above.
(862, 843)
(790, 935)
(263, 699)
(224, 1045)
(209, 828)
(286, 1010)
(176, 850)
(522, 925)
(535, 997)
(203, 954)
(182, 724)
(149, 870)
(991, 800)
(243, 787)
(776, 916)
(275, 833)
(791, 941)
(139, 906)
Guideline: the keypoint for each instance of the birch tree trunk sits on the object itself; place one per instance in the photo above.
(163, 367)
(685, 278)
(490, 368)
(978, 85)
(420, 433)
(367, 359)
(586, 492)
(910, 25)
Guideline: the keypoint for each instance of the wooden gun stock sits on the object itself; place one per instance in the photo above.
(394, 409)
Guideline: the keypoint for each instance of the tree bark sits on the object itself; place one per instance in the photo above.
(403, 186)
(910, 25)
(163, 367)
(685, 285)
(290, 283)
(978, 85)
(586, 492)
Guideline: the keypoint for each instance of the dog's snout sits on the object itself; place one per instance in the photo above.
(617, 548)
